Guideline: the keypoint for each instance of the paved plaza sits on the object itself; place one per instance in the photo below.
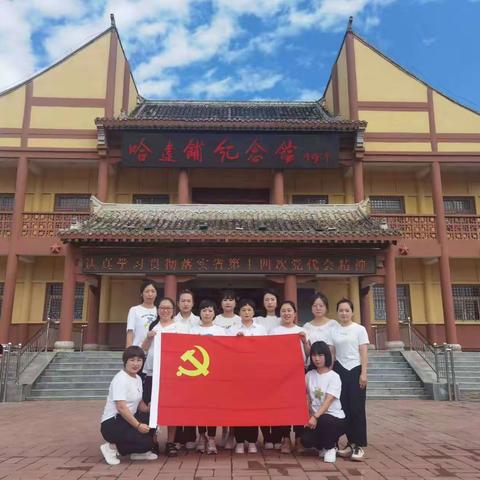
(408, 440)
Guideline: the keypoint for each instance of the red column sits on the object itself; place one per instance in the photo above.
(358, 190)
(170, 287)
(183, 187)
(444, 265)
(91, 334)
(365, 314)
(65, 339)
(102, 182)
(391, 304)
(12, 259)
(290, 288)
(278, 193)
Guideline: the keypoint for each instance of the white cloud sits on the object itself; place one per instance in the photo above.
(307, 95)
(161, 88)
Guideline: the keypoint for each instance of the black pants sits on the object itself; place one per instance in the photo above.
(127, 438)
(353, 403)
(326, 434)
(147, 389)
(271, 435)
(246, 434)
(185, 434)
(284, 431)
(211, 431)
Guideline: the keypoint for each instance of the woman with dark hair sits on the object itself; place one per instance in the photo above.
(319, 329)
(163, 324)
(327, 419)
(141, 316)
(351, 349)
(125, 416)
(228, 318)
(288, 314)
(270, 303)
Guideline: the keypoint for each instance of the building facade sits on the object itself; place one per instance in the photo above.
(177, 198)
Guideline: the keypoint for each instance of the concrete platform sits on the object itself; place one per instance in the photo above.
(409, 439)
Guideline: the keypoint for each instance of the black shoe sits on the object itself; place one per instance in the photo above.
(171, 449)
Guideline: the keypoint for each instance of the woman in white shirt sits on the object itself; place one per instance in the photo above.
(288, 314)
(351, 350)
(319, 328)
(270, 303)
(206, 435)
(125, 416)
(163, 324)
(327, 419)
(141, 316)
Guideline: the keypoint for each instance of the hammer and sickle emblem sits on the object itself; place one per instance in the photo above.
(201, 368)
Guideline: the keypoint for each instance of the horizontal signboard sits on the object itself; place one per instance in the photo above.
(230, 149)
(187, 264)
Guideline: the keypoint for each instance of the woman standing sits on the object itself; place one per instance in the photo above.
(288, 315)
(351, 349)
(141, 316)
(270, 320)
(327, 419)
(319, 329)
(163, 324)
(125, 417)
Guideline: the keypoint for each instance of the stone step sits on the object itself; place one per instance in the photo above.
(67, 397)
(392, 384)
(72, 392)
(406, 396)
(469, 386)
(73, 384)
(56, 377)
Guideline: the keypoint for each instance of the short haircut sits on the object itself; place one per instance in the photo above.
(228, 295)
(246, 301)
(186, 291)
(207, 303)
(345, 300)
(320, 348)
(289, 302)
(321, 296)
(132, 352)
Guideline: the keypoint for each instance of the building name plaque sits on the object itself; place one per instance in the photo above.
(231, 150)
(226, 264)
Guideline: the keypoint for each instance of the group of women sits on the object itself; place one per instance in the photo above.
(336, 357)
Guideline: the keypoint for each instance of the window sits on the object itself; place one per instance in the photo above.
(466, 302)
(459, 205)
(72, 203)
(150, 199)
(308, 199)
(53, 301)
(403, 301)
(6, 202)
(387, 204)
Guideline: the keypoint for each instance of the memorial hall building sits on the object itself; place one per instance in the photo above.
(371, 192)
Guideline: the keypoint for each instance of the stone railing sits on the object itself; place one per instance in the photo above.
(5, 224)
(41, 225)
(414, 227)
(465, 227)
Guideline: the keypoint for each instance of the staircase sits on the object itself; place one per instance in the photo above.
(77, 376)
(467, 374)
(391, 377)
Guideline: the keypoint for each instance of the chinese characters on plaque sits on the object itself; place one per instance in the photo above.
(184, 264)
(230, 149)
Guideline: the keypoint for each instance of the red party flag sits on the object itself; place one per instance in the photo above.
(234, 381)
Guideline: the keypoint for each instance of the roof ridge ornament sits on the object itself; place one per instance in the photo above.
(350, 22)
(112, 20)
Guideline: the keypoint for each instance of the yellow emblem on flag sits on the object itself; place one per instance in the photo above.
(201, 368)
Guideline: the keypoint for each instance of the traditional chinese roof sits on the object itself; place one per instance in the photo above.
(126, 223)
(237, 115)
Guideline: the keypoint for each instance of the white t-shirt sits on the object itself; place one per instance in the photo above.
(318, 333)
(227, 322)
(346, 341)
(174, 327)
(189, 322)
(282, 330)
(318, 385)
(254, 330)
(139, 319)
(269, 322)
(123, 387)
(213, 330)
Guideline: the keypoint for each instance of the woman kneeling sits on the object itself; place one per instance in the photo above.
(125, 417)
(327, 421)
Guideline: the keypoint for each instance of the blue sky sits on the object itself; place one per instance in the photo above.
(247, 49)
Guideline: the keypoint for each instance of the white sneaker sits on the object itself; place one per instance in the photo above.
(330, 455)
(322, 452)
(202, 444)
(277, 446)
(109, 454)
(190, 445)
(358, 454)
(230, 443)
(143, 456)
(240, 448)
(211, 447)
(252, 448)
(268, 446)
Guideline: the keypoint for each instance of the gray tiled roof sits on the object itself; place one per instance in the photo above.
(228, 223)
